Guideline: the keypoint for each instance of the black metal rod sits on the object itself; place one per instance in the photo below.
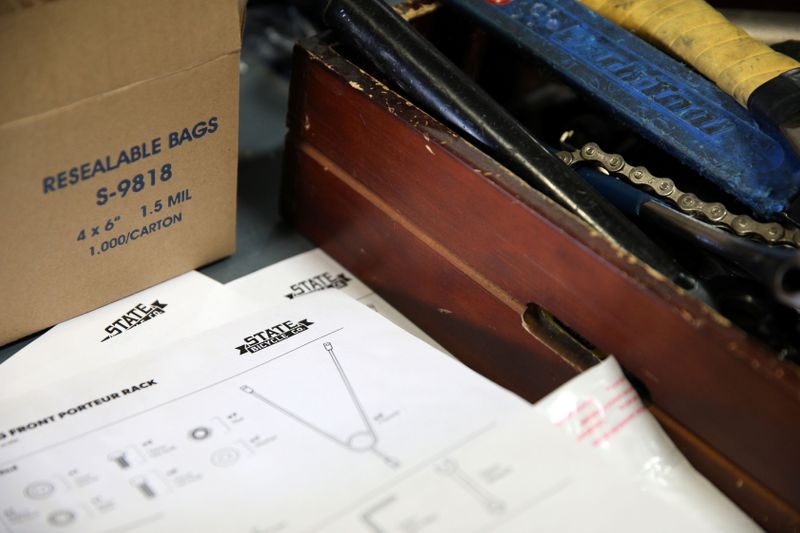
(406, 59)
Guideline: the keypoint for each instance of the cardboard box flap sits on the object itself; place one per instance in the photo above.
(57, 52)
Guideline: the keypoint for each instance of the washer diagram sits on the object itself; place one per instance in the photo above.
(39, 490)
(224, 457)
(360, 439)
(61, 517)
(200, 433)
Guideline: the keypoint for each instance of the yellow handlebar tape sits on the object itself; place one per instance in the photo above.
(699, 35)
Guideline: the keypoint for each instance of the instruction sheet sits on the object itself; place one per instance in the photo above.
(316, 402)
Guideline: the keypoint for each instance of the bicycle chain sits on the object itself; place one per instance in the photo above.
(713, 212)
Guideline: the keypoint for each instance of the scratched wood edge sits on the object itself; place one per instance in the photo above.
(766, 508)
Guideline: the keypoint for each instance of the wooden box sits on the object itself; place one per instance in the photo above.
(516, 287)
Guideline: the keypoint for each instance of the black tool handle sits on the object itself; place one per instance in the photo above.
(432, 81)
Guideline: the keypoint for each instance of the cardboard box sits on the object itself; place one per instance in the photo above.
(118, 149)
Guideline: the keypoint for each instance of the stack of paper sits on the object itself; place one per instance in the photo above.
(318, 414)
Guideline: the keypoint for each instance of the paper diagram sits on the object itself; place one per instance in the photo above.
(411, 509)
(451, 469)
(320, 410)
(351, 428)
(368, 516)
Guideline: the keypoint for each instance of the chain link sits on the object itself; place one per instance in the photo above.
(713, 212)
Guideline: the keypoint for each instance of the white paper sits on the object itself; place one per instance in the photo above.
(311, 272)
(119, 330)
(266, 424)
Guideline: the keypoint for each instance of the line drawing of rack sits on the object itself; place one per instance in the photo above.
(363, 440)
